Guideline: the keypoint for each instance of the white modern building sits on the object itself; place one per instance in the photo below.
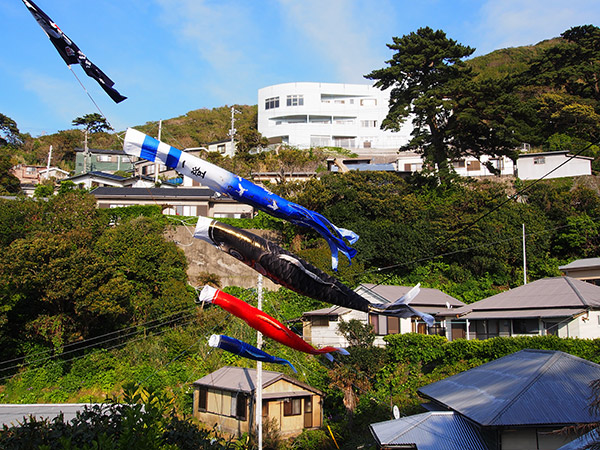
(327, 114)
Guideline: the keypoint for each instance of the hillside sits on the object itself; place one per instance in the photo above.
(199, 127)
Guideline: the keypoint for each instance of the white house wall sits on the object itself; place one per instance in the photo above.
(322, 336)
(533, 167)
(327, 114)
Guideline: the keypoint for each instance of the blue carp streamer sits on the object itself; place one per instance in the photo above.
(244, 349)
(226, 183)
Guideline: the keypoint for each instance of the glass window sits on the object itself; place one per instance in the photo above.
(292, 407)
(539, 160)
(295, 100)
(320, 321)
(368, 123)
(202, 398)
(525, 326)
(393, 324)
(272, 102)
(241, 406)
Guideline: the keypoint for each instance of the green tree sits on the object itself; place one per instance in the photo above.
(452, 114)
(10, 138)
(92, 123)
(9, 132)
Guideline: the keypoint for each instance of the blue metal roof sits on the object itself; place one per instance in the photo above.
(429, 431)
(529, 387)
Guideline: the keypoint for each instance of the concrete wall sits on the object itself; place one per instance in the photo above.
(205, 258)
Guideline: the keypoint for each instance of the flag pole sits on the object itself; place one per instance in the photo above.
(259, 287)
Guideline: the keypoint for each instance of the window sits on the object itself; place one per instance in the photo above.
(320, 321)
(368, 123)
(539, 160)
(459, 163)
(202, 398)
(104, 158)
(272, 102)
(368, 102)
(241, 406)
(525, 326)
(393, 325)
(292, 407)
(473, 165)
(221, 148)
(294, 100)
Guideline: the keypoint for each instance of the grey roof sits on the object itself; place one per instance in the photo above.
(429, 431)
(156, 193)
(98, 174)
(367, 167)
(529, 387)
(569, 294)
(12, 414)
(330, 311)
(241, 379)
(427, 296)
(585, 263)
(101, 151)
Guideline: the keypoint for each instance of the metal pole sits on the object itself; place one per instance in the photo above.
(48, 164)
(524, 258)
(259, 287)
(156, 163)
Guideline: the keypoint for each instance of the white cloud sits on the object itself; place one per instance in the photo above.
(340, 33)
(62, 97)
(511, 23)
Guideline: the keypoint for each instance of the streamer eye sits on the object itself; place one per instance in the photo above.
(233, 252)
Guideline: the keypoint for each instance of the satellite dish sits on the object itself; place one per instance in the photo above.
(396, 412)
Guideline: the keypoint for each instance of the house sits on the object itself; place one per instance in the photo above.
(31, 174)
(178, 201)
(562, 306)
(320, 326)
(512, 403)
(227, 398)
(102, 161)
(224, 147)
(308, 115)
(96, 179)
(587, 269)
(532, 166)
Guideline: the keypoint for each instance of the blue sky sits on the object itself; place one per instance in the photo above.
(173, 56)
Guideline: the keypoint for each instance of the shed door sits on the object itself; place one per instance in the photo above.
(308, 420)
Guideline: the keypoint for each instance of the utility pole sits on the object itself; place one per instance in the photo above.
(259, 287)
(156, 166)
(524, 258)
(48, 164)
(233, 130)
(85, 150)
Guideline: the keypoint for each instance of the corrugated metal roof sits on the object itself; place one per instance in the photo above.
(529, 387)
(582, 264)
(559, 292)
(426, 297)
(241, 379)
(429, 431)
(11, 414)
